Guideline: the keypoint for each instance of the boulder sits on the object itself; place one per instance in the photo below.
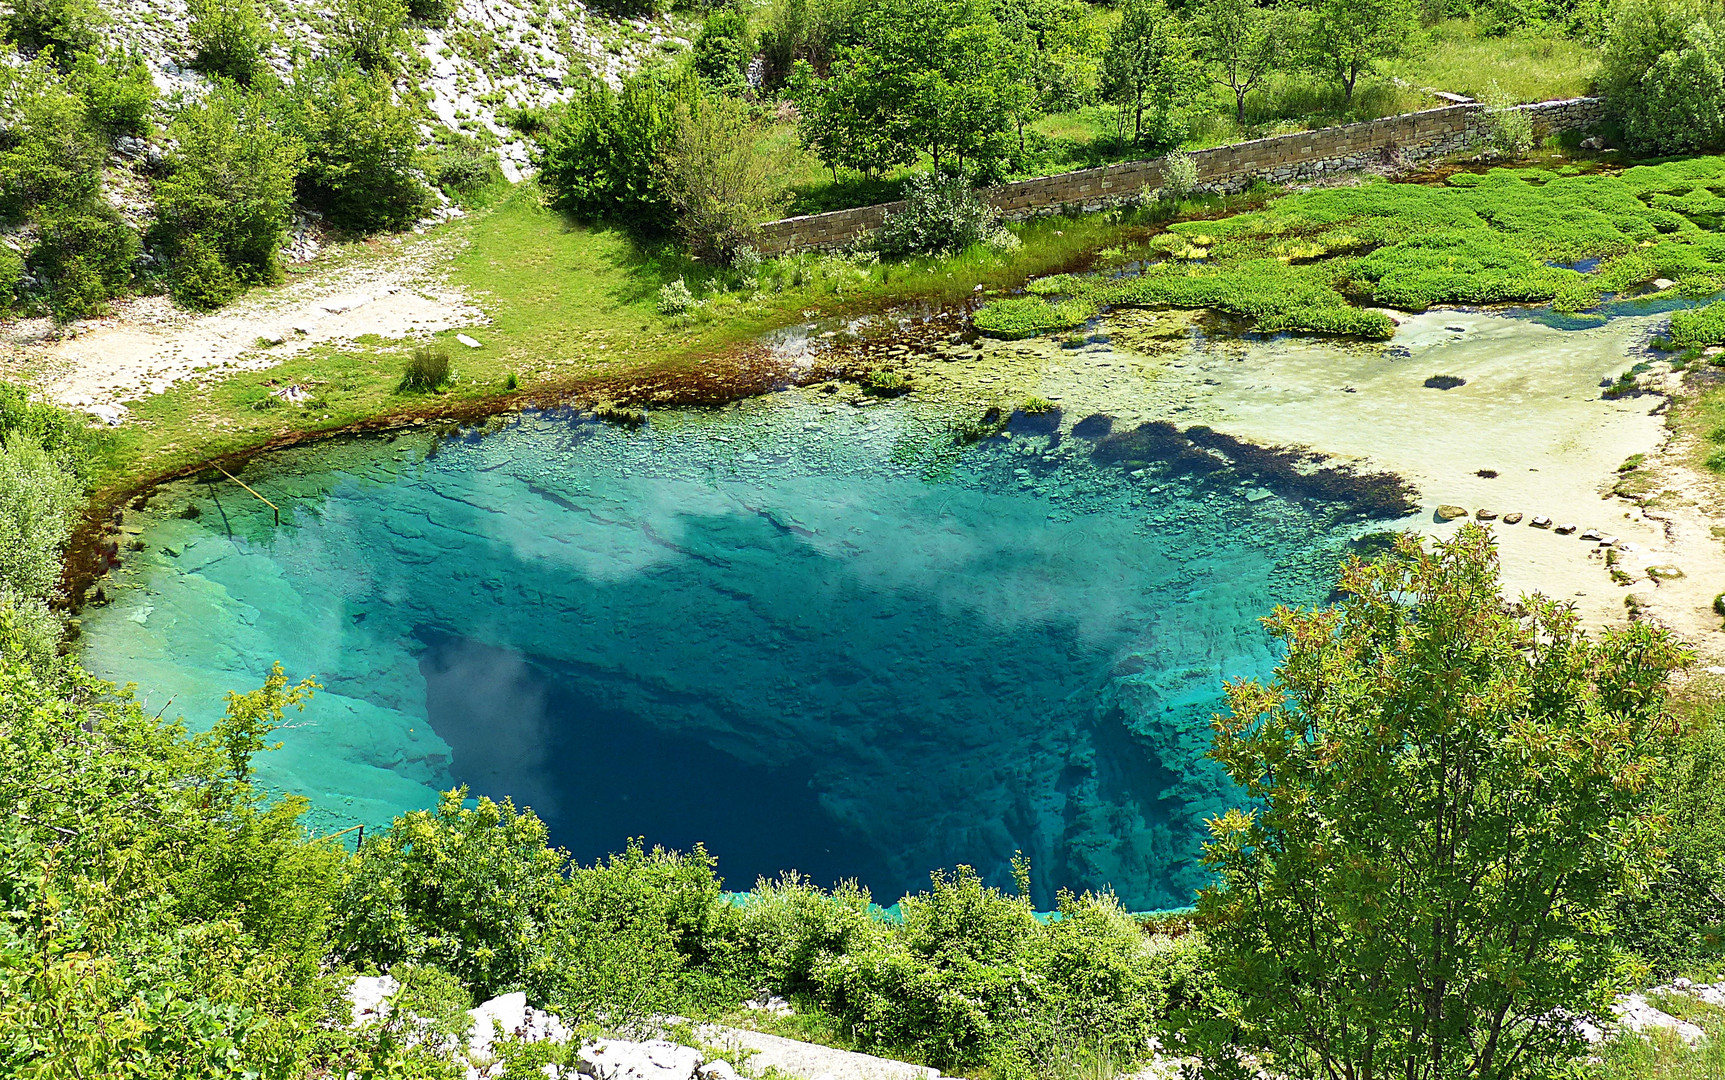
(1566, 529)
(1540, 521)
(1513, 518)
(1449, 512)
(614, 1059)
(1591, 534)
(1485, 515)
(467, 341)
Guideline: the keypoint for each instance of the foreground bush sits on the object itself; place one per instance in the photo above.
(86, 256)
(1449, 791)
(717, 178)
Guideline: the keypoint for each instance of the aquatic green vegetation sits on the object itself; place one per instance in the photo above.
(1027, 316)
(1310, 261)
(1699, 326)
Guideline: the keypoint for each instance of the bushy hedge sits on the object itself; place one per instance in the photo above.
(600, 152)
(360, 143)
(223, 205)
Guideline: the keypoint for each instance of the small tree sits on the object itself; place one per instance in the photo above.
(1148, 66)
(1663, 75)
(1349, 38)
(361, 142)
(1244, 41)
(227, 38)
(1447, 791)
(719, 179)
(66, 26)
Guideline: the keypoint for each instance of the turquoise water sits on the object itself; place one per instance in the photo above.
(809, 635)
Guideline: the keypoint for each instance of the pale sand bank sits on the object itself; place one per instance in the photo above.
(146, 345)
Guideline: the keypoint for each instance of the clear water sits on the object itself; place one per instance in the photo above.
(820, 638)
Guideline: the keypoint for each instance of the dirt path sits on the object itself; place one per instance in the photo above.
(147, 345)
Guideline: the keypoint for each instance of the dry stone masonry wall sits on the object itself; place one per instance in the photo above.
(1279, 159)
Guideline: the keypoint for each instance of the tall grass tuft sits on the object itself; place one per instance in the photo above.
(427, 369)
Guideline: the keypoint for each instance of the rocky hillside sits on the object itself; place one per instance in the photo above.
(492, 55)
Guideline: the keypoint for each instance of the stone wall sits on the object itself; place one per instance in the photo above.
(1279, 159)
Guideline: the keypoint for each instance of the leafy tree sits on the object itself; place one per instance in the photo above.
(39, 504)
(67, 27)
(1663, 75)
(928, 75)
(1447, 791)
(1244, 41)
(371, 32)
(718, 177)
(360, 142)
(227, 194)
(1052, 55)
(228, 38)
(723, 49)
(807, 30)
(1345, 39)
(842, 122)
(469, 889)
(1149, 66)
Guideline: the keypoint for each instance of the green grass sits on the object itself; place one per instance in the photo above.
(1027, 316)
(1526, 66)
(1699, 326)
(1310, 261)
(1661, 1055)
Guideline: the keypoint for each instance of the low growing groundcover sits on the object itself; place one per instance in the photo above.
(1311, 261)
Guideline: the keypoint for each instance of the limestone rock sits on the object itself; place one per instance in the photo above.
(1513, 518)
(1485, 515)
(1664, 573)
(614, 1059)
(1540, 521)
(1591, 534)
(1449, 512)
(1566, 529)
(467, 341)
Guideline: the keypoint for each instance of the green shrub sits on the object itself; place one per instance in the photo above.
(118, 90)
(371, 32)
(463, 165)
(66, 26)
(642, 932)
(360, 145)
(1663, 75)
(1179, 175)
(941, 216)
(427, 369)
(39, 504)
(469, 890)
(723, 48)
(719, 181)
(1677, 921)
(1509, 130)
(227, 195)
(228, 38)
(199, 278)
(86, 257)
(601, 151)
(50, 158)
(676, 299)
(431, 12)
(1027, 316)
(792, 929)
(11, 275)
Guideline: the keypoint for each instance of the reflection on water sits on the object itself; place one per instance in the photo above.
(810, 636)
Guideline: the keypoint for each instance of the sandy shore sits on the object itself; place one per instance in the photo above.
(146, 345)
(1527, 432)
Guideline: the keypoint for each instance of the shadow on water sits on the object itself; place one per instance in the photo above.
(539, 732)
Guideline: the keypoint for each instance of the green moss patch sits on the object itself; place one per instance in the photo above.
(1026, 316)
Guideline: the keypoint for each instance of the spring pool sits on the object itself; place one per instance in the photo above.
(807, 634)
